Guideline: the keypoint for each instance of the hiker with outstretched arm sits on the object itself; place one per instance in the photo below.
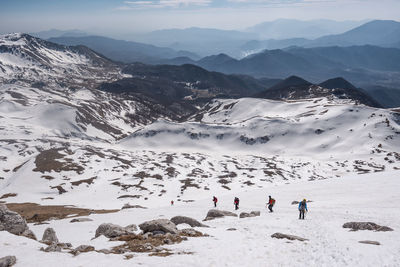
(302, 209)
(215, 200)
(271, 203)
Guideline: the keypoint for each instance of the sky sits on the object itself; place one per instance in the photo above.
(116, 17)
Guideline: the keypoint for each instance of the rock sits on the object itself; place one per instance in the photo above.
(295, 202)
(370, 242)
(29, 234)
(355, 226)
(11, 221)
(190, 221)
(255, 213)
(49, 236)
(128, 206)
(212, 214)
(290, 237)
(231, 229)
(190, 232)
(112, 230)
(104, 251)
(82, 249)
(53, 247)
(8, 261)
(159, 225)
(81, 220)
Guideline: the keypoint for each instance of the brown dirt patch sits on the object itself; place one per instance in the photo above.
(34, 213)
(86, 181)
(48, 161)
(8, 195)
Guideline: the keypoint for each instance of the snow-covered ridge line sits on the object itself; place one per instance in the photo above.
(30, 60)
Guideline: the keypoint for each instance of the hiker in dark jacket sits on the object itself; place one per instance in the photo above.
(215, 200)
(302, 208)
(236, 203)
(271, 203)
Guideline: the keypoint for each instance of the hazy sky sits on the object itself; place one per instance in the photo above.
(116, 17)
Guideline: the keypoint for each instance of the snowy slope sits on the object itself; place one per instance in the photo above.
(322, 127)
(370, 197)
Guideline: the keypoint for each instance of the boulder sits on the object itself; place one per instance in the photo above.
(290, 237)
(129, 206)
(8, 261)
(11, 221)
(29, 234)
(355, 226)
(82, 249)
(251, 214)
(190, 221)
(214, 213)
(49, 236)
(53, 247)
(112, 230)
(231, 229)
(163, 225)
(81, 220)
(190, 232)
(255, 213)
(370, 242)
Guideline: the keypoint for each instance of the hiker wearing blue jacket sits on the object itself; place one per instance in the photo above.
(302, 208)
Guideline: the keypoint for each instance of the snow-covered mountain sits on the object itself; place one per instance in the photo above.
(62, 142)
(31, 60)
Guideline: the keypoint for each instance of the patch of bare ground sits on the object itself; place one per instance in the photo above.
(47, 177)
(8, 195)
(34, 213)
(86, 181)
(188, 183)
(149, 243)
(49, 160)
(129, 196)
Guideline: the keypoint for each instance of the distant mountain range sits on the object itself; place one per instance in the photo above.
(384, 33)
(311, 29)
(124, 51)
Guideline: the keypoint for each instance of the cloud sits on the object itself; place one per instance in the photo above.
(163, 4)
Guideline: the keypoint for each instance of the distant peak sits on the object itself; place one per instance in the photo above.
(295, 81)
(338, 82)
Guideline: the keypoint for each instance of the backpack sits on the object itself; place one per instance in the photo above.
(215, 199)
(272, 201)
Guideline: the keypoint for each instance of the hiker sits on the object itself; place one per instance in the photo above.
(215, 200)
(236, 202)
(271, 203)
(172, 202)
(302, 208)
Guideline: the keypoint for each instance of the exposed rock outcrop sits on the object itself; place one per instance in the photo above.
(214, 213)
(11, 221)
(82, 249)
(49, 236)
(370, 242)
(112, 230)
(251, 214)
(355, 226)
(290, 237)
(190, 221)
(159, 225)
(81, 220)
(8, 261)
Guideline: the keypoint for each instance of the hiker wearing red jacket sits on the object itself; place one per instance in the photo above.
(236, 203)
(215, 200)
(271, 203)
